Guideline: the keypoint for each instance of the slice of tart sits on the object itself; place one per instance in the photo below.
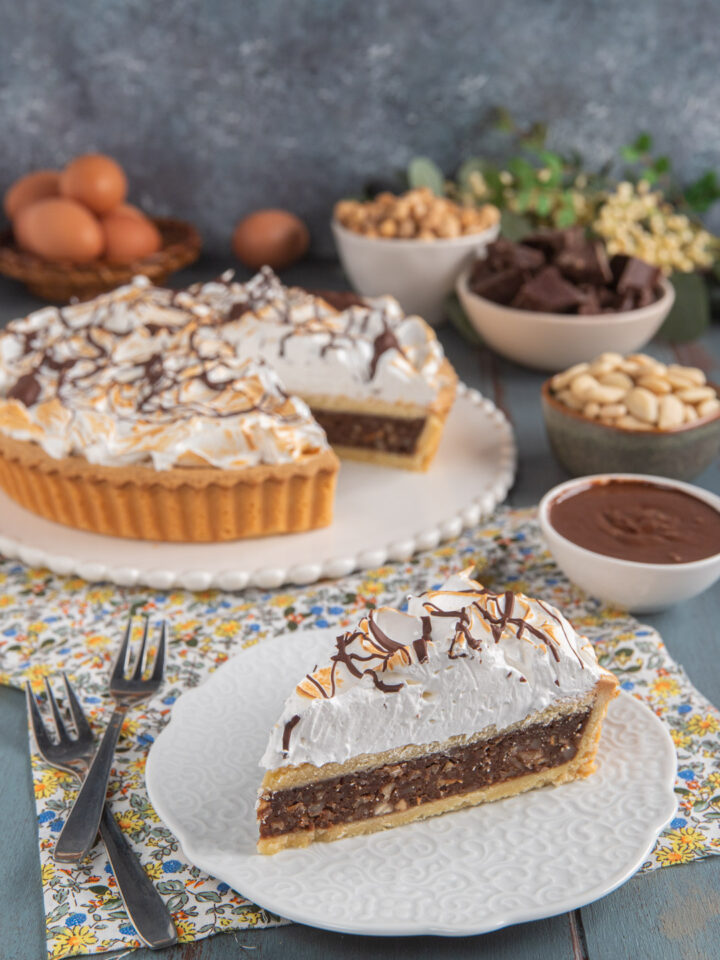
(131, 416)
(467, 697)
(375, 379)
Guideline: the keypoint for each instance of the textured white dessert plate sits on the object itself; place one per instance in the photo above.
(473, 871)
(381, 514)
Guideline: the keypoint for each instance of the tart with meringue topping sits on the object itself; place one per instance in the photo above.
(467, 697)
(130, 415)
(211, 413)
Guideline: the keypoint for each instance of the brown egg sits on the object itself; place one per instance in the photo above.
(59, 229)
(129, 237)
(273, 237)
(28, 189)
(128, 210)
(95, 180)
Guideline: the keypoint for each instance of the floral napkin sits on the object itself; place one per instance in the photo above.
(50, 623)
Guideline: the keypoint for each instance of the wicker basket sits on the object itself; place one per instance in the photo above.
(61, 281)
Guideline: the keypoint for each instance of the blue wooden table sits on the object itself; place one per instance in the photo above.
(671, 913)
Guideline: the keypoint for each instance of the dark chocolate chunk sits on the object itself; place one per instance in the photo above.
(504, 255)
(561, 271)
(498, 287)
(553, 242)
(587, 263)
(26, 390)
(591, 301)
(633, 274)
(548, 292)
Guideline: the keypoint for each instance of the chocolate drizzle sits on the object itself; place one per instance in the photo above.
(383, 342)
(420, 645)
(349, 659)
(63, 363)
(377, 651)
(289, 727)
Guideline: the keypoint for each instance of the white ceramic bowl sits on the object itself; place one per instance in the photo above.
(419, 273)
(634, 586)
(554, 341)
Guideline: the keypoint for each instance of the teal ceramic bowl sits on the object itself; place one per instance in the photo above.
(587, 447)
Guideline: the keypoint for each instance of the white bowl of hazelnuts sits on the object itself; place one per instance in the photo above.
(412, 246)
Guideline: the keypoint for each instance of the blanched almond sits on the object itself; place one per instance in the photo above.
(631, 423)
(612, 410)
(617, 379)
(591, 410)
(575, 403)
(690, 413)
(671, 412)
(609, 357)
(605, 394)
(696, 394)
(655, 383)
(679, 381)
(709, 407)
(693, 374)
(600, 368)
(583, 385)
(561, 380)
(642, 404)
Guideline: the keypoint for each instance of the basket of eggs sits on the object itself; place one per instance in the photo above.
(73, 235)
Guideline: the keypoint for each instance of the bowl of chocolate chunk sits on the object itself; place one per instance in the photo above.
(632, 413)
(640, 544)
(412, 246)
(556, 298)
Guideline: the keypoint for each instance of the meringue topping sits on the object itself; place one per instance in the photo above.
(462, 659)
(205, 376)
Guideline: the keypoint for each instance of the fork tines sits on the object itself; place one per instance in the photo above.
(121, 664)
(43, 737)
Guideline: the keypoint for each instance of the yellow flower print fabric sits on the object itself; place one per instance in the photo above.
(50, 623)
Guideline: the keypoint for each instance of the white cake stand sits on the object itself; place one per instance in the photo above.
(381, 514)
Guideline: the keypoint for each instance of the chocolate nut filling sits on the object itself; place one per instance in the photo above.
(398, 786)
(390, 434)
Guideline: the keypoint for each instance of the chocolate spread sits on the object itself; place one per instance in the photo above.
(638, 520)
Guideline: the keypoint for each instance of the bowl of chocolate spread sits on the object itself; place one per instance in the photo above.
(636, 542)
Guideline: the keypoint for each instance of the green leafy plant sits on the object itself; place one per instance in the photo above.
(536, 187)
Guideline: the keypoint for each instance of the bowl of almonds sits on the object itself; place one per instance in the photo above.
(633, 414)
(412, 246)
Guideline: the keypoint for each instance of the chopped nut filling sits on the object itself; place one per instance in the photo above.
(398, 786)
(391, 434)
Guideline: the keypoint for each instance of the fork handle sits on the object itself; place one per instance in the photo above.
(145, 907)
(77, 837)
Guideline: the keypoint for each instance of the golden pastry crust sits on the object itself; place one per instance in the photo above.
(581, 766)
(182, 504)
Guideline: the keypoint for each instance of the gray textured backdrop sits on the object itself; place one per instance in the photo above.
(221, 107)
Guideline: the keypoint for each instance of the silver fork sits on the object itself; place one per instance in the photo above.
(78, 835)
(143, 903)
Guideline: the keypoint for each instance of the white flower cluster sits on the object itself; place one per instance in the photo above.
(638, 222)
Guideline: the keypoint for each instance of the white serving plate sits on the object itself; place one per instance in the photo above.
(524, 858)
(381, 514)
